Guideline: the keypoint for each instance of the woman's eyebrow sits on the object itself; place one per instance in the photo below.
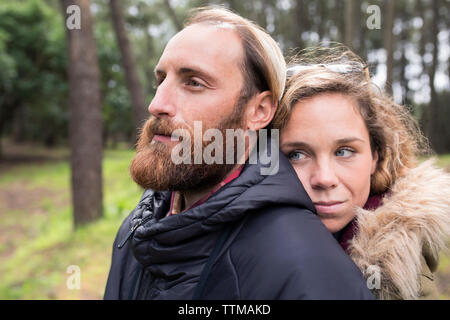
(348, 140)
(295, 144)
(302, 144)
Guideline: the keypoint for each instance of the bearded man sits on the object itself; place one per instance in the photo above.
(222, 230)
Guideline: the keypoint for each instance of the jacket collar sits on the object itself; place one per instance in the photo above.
(413, 221)
(249, 192)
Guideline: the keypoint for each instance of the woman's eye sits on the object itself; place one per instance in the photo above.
(296, 155)
(344, 153)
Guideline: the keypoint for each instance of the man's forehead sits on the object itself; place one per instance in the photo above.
(204, 44)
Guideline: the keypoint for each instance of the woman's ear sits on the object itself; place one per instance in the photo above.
(260, 111)
(374, 162)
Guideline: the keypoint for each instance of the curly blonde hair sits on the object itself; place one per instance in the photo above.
(394, 133)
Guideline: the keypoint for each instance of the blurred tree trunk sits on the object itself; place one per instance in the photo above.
(299, 17)
(321, 9)
(432, 115)
(358, 31)
(389, 42)
(86, 119)
(234, 5)
(349, 23)
(403, 79)
(18, 125)
(173, 16)
(1, 138)
(6, 114)
(353, 35)
(340, 20)
(129, 65)
(423, 34)
(259, 12)
(403, 60)
(149, 73)
(447, 25)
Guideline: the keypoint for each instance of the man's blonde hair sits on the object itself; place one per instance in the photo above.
(393, 132)
(264, 67)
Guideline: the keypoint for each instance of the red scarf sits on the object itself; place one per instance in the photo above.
(176, 197)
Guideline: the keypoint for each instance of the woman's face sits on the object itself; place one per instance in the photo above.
(327, 142)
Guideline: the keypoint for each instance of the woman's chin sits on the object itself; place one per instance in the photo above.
(333, 225)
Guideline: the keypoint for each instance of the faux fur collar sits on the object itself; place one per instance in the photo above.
(413, 221)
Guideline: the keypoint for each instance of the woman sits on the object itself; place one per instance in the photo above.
(354, 151)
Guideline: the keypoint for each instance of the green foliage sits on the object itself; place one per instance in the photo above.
(7, 64)
(33, 85)
(116, 104)
(33, 78)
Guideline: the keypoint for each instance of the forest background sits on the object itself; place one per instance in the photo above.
(73, 95)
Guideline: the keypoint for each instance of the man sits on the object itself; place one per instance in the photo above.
(220, 230)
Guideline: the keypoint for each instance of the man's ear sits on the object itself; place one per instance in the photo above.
(260, 111)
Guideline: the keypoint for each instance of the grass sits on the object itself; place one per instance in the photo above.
(37, 240)
(444, 161)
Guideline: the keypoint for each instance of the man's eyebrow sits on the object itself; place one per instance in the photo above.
(196, 71)
(187, 70)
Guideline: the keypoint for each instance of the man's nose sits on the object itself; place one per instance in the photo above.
(163, 103)
(324, 176)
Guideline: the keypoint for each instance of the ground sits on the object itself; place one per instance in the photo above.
(37, 240)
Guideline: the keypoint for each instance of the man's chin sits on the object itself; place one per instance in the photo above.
(153, 169)
(146, 166)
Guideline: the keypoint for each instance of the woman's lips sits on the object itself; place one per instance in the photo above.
(329, 207)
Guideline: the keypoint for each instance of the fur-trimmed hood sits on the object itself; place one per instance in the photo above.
(412, 223)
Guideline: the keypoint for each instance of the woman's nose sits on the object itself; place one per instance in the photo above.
(324, 176)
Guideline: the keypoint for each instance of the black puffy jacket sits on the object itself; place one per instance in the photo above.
(275, 246)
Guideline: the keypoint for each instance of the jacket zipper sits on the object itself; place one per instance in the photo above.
(133, 229)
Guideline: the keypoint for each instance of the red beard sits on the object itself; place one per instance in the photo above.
(152, 166)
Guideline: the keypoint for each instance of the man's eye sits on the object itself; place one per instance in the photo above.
(345, 153)
(158, 82)
(296, 155)
(194, 83)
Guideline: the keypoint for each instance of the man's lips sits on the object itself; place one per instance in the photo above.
(162, 138)
(329, 207)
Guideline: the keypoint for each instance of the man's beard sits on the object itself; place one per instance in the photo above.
(152, 166)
